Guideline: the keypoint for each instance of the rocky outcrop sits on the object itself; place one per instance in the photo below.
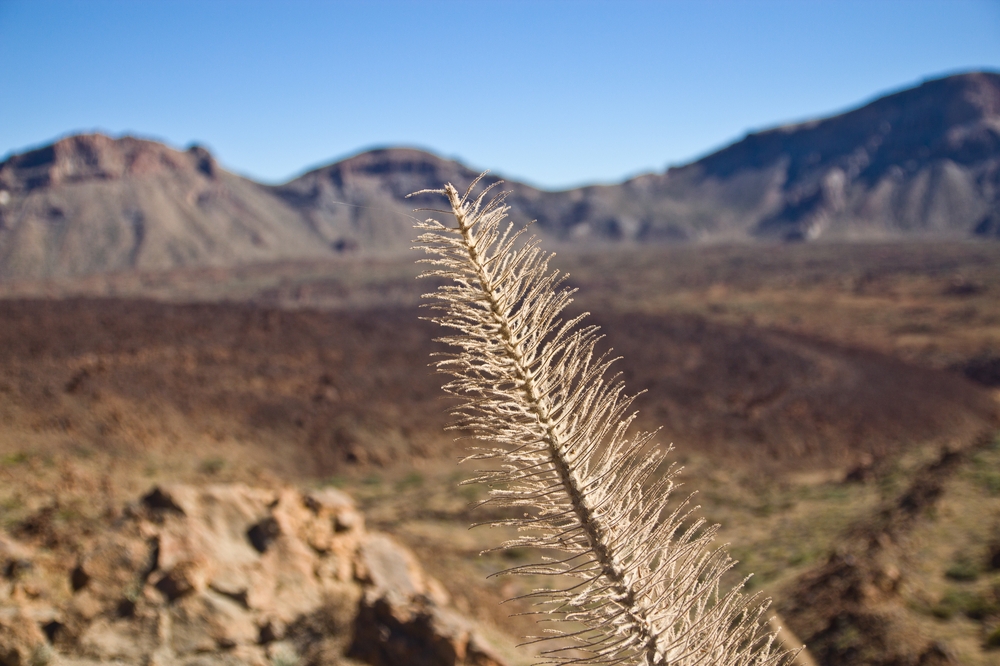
(228, 574)
(95, 157)
(405, 616)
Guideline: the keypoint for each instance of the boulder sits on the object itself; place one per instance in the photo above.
(22, 642)
(228, 574)
(405, 615)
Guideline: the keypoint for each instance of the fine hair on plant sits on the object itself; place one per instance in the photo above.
(642, 580)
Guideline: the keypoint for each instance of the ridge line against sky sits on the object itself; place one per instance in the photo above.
(553, 93)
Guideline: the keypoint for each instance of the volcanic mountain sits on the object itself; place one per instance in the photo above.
(920, 163)
(89, 204)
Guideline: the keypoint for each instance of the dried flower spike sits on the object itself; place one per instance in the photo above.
(643, 583)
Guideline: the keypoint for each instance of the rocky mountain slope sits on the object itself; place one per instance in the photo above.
(89, 204)
(923, 163)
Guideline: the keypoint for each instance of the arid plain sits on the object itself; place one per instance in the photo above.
(834, 405)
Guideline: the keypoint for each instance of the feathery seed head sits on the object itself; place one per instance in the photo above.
(642, 582)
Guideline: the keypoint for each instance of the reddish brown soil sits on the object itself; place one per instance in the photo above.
(348, 389)
(765, 395)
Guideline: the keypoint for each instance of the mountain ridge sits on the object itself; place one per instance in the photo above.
(922, 162)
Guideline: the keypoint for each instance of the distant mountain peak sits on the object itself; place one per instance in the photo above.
(386, 162)
(86, 157)
(399, 171)
(918, 161)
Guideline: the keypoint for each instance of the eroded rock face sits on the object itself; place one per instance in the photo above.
(234, 575)
(404, 616)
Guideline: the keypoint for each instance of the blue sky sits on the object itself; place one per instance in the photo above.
(554, 93)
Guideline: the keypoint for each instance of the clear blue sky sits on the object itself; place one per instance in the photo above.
(555, 93)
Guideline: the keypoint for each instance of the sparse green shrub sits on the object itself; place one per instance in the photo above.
(975, 606)
(212, 466)
(800, 557)
(990, 481)
(334, 482)
(982, 606)
(16, 458)
(470, 493)
(963, 569)
(993, 638)
(411, 480)
(951, 603)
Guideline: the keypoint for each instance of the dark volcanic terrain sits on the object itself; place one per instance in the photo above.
(343, 389)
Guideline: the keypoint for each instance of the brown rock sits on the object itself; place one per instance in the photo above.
(392, 569)
(336, 505)
(129, 639)
(22, 643)
(228, 574)
(113, 572)
(213, 525)
(389, 568)
(323, 636)
(184, 578)
(333, 513)
(209, 621)
(404, 616)
(419, 633)
(285, 583)
(14, 557)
